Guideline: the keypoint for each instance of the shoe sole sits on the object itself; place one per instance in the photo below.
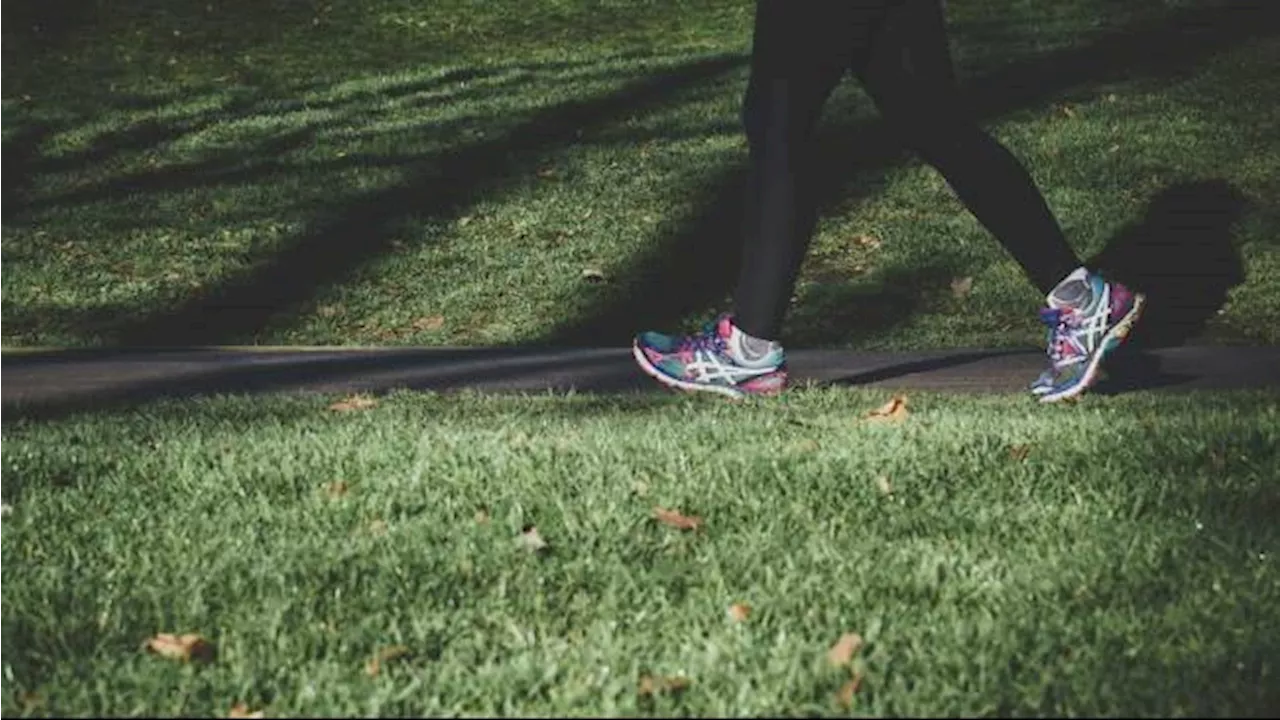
(652, 371)
(1110, 341)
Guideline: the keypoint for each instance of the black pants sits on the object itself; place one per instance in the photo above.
(898, 50)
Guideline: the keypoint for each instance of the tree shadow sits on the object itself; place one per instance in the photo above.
(695, 266)
(21, 153)
(340, 240)
(48, 22)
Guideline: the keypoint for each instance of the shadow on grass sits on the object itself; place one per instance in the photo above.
(21, 154)
(444, 185)
(1182, 257)
(695, 267)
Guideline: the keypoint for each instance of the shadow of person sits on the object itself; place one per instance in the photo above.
(1181, 256)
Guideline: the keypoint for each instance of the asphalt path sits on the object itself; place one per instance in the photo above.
(54, 382)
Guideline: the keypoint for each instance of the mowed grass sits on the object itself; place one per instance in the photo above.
(383, 172)
(460, 173)
(1117, 557)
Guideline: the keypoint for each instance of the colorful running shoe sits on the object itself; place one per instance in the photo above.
(1081, 335)
(711, 361)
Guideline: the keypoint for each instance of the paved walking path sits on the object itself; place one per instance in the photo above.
(36, 382)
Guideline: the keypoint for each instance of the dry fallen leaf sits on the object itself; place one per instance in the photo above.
(867, 241)
(1218, 457)
(845, 648)
(429, 322)
(1019, 452)
(652, 685)
(893, 411)
(30, 700)
(384, 656)
(336, 489)
(240, 710)
(848, 690)
(183, 648)
(961, 286)
(882, 482)
(738, 612)
(676, 519)
(530, 539)
(354, 402)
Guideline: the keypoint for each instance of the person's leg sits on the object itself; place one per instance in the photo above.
(909, 75)
(800, 50)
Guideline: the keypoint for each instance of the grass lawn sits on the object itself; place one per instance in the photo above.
(1112, 558)
(501, 173)
(461, 173)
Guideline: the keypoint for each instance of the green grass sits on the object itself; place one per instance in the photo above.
(386, 172)
(339, 174)
(1125, 566)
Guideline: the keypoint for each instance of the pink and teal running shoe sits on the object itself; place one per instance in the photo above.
(710, 361)
(1082, 331)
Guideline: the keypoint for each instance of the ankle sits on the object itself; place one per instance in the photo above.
(750, 350)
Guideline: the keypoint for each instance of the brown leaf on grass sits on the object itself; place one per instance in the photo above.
(183, 648)
(738, 612)
(850, 688)
(1218, 459)
(885, 487)
(354, 402)
(845, 648)
(893, 411)
(676, 519)
(30, 700)
(429, 322)
(336, 489)
(482, 515)
(383, 657)
(867, 241)
(240, 710)
(961, 286)
(532, 540)
(1019, 452)
(651, 685)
